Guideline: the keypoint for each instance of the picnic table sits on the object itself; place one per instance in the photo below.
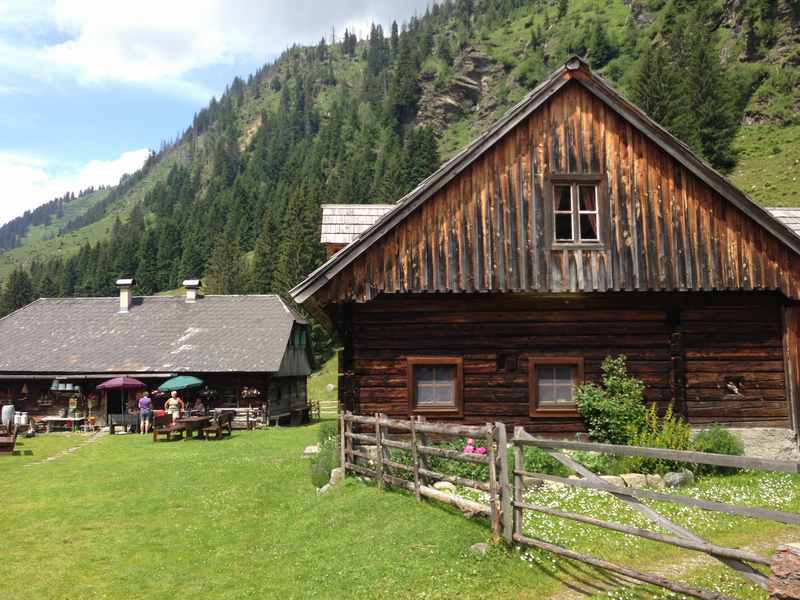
(68, 423)
(191, 424)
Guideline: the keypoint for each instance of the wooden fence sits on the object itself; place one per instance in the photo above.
(507, 504)
(418, 449)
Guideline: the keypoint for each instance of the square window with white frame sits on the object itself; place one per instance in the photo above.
(434, 384)
(576, 213)
(552, 385)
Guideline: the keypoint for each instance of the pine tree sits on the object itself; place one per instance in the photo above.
(655, 86)
(17, 292)
(147, 275)
(225, 272)
(709, 93)
(261, 275)
(600, 48)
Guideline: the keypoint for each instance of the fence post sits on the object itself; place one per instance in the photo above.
(348, 441)
(379, 449)
(423, 440)
(493, 507)
(342, 437)
(519, 485)
(505, 490)
(415, 459)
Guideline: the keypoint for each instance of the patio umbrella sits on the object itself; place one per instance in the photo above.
(182, 382)
(122, 383)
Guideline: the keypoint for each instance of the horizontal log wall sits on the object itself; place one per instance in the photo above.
(726, 336)
(487, 229)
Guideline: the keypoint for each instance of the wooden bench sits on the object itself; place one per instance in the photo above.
(7, 443)
(163, 425)
(221, 425)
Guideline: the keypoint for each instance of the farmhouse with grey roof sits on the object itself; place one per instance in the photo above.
(247, 349)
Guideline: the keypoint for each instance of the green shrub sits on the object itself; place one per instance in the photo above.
(539, 461)
(601, 463)
(670, 432)
(613, 412)
(717, 440)
(328, 458)
(328, 430)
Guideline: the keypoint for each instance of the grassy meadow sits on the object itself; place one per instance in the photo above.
(123, 517)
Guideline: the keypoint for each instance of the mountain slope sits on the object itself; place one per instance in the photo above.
(365, 120)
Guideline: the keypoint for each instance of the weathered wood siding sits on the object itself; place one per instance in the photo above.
(720, 336)
(486, 229)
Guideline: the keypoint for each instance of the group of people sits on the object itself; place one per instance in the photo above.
(174, 406)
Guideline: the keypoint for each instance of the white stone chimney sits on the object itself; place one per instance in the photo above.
(191, 285)
(125, 294)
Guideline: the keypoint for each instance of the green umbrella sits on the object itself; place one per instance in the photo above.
(182, 382)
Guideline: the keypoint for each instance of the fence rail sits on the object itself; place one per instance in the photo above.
(505, 487)
(418, 450)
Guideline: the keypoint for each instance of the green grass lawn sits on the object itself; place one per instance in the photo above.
(126, 518)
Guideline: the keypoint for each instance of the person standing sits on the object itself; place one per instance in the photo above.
(145, 412)
(174, 405)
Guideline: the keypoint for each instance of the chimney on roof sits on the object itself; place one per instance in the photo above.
(125, 293)
(191, 285)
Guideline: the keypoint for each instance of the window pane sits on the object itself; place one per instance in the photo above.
(564, 227)
(555, 385)
(425, 395)
(589, 228)
(435, 386)
(423, 375)
(588, 198)
(444, 395)
(444, 373)
(563, 374)
(546, 394)
(563, 394)
(561, 197)
(544, 374)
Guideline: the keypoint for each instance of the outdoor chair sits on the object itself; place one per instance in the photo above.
(163, 425)
(220, 426)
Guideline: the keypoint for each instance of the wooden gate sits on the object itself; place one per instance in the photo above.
(741, 561)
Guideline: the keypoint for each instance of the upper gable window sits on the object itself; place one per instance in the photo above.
(576, 213)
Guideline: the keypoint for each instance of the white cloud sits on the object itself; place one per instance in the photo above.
(161, 43)
(29, 181)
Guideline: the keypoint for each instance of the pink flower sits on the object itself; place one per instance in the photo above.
(469, 449)
(480, 450)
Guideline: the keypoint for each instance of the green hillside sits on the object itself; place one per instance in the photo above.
(236, 198)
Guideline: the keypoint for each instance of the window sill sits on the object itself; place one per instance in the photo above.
(578, 246)
(443, 412)
(544, 413)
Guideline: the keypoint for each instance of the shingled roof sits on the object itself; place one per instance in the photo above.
(159, 334)
(342, 223)
(788, 216)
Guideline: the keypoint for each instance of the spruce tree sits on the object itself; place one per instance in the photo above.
(17, 292)
(225, 272)
(264, 257)
(655, 86)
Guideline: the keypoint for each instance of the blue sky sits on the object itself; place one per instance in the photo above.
(87, 86)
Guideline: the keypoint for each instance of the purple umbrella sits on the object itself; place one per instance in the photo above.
(122, 383)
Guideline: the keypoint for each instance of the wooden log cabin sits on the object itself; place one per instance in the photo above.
(251, 351)
(575, 228)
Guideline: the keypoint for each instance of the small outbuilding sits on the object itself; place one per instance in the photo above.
(250, 350)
